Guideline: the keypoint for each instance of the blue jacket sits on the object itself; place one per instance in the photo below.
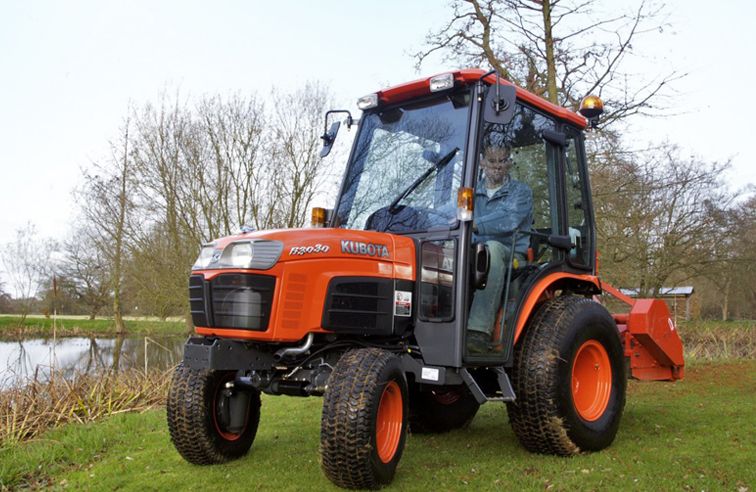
(510, 208)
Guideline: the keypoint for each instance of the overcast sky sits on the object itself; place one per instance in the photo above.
(71, 69)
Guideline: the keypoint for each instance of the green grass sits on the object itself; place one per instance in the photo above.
(697, 434)
(10, 327)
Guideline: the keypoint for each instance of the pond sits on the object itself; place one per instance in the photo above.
(36, 357)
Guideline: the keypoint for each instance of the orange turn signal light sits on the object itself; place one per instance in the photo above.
(465, 201)
(318, 217)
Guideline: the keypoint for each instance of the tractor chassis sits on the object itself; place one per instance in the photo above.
(262, 367)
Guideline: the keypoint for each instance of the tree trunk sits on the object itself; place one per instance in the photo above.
(119, 233)
(117, 352)
(551, 86)
(726, 300)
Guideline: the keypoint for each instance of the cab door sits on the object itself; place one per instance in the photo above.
(512, 219)
(578, 205)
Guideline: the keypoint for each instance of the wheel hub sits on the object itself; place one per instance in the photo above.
(591, 380)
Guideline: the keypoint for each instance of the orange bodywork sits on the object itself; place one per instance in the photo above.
(543, 290)
(302, 279)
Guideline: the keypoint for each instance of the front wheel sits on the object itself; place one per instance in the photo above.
(569, 378)
(208, 422)
(364, 422)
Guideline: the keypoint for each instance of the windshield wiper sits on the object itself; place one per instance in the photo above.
(435, 167)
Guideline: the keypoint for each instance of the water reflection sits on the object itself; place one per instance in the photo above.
(26, 359)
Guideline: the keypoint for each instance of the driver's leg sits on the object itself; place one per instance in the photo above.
(486, 302)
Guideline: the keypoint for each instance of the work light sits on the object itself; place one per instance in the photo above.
(441, 82)
(367, 102)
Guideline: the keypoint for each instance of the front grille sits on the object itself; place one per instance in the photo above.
(232, 300)
(359, 305)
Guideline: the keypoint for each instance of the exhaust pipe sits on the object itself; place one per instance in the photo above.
(290, 351)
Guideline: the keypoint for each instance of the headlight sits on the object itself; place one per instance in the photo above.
(205, 257)
(238, 255)
(254, 254)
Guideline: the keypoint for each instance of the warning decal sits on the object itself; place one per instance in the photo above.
(402, 303)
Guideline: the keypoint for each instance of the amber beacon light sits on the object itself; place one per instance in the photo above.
(591, 108)
(318, 217)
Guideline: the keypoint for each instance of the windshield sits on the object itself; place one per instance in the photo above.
(407, 167)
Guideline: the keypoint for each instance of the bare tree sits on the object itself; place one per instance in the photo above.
(732, 273)
(654, 215)
(297, 170)
(157, 281)
(87, 272)
(232, 182)
(107, 206)
(24, 264)
(561, 50)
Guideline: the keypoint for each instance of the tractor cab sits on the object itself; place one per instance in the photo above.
(417, 170)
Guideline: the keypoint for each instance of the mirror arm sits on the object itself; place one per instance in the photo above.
(349, 119)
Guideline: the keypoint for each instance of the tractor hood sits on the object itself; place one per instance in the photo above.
(289, 245)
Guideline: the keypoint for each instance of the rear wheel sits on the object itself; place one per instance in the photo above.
(441, 409)
(364, 422)
(208, 422)
(569, 378)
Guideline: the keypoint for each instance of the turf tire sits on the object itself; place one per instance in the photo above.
(441, 409)
(544, 416)
(192, 421)
(349, 441)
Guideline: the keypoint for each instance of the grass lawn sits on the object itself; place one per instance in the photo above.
(69, 327)
(697, 434)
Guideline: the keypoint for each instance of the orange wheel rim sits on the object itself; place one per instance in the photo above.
(591, 380)
(388, 426)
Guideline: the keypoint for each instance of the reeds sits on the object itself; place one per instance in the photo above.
(28, 410)
(713, 340)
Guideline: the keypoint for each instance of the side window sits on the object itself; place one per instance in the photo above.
(530, 164)
(437, 280)
(576, 194)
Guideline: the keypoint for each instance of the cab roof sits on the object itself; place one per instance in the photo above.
(421, 87)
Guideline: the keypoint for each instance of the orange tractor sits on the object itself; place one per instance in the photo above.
(373, 307)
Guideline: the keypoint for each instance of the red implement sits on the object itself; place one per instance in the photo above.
(650, 338)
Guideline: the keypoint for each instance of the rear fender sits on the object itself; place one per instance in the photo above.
(546, 287)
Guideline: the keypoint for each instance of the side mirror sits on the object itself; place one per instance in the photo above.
(482, 265)
(329, 138)
(329, 134)
(499, 106)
